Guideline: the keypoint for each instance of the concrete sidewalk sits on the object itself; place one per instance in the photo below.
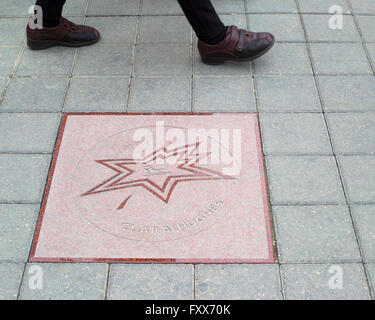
(315, 95)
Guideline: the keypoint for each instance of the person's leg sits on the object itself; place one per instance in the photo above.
(52, 10)
(203, 18)
(218, 43)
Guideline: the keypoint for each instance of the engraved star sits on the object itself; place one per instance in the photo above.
(182, 165)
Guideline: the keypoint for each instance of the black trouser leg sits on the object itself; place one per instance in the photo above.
(204, 20)
(52, 10)
(200, 13)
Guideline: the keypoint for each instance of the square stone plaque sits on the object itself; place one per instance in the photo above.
(158, 188)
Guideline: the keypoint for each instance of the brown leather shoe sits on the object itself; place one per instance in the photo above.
(66, 34)
(238, 45)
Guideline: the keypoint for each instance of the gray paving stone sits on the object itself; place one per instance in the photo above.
(304, 179)
(315, 234)
(162, 60)
(359, 178)
(10, 279)
(237, 282)
(11, 8)
(371, 50)
(17, 224)
(367, 26)
(75, 8)
(285, 27)
(52, 62)
(164, 29)
(104, 61)
(12, 31)
(35, 95)
(339, 58)
(8, 59)
(287, 93)
(271, 6)
(322, 6)
(160, 94)
(284, 58)
(353, 133)
(159, 282)
(364, 219)
(223, 94)
(23, 177)
(294, 133)
(238, 20)
(312, 282)
(371, 274)
(113, 7)
(317, 29)
(225, 6)
(160, 7)
(118, 30)
(363, 6)
(347, 94)
(66, 282)
(3, 84)
(97, 94)
(28, 132)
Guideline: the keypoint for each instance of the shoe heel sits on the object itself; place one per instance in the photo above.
(39, 44)
(212, 60)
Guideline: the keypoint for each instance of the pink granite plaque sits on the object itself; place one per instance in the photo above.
(160, 188)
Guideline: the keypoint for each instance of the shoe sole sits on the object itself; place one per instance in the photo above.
(220, 60)
(45, 44)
